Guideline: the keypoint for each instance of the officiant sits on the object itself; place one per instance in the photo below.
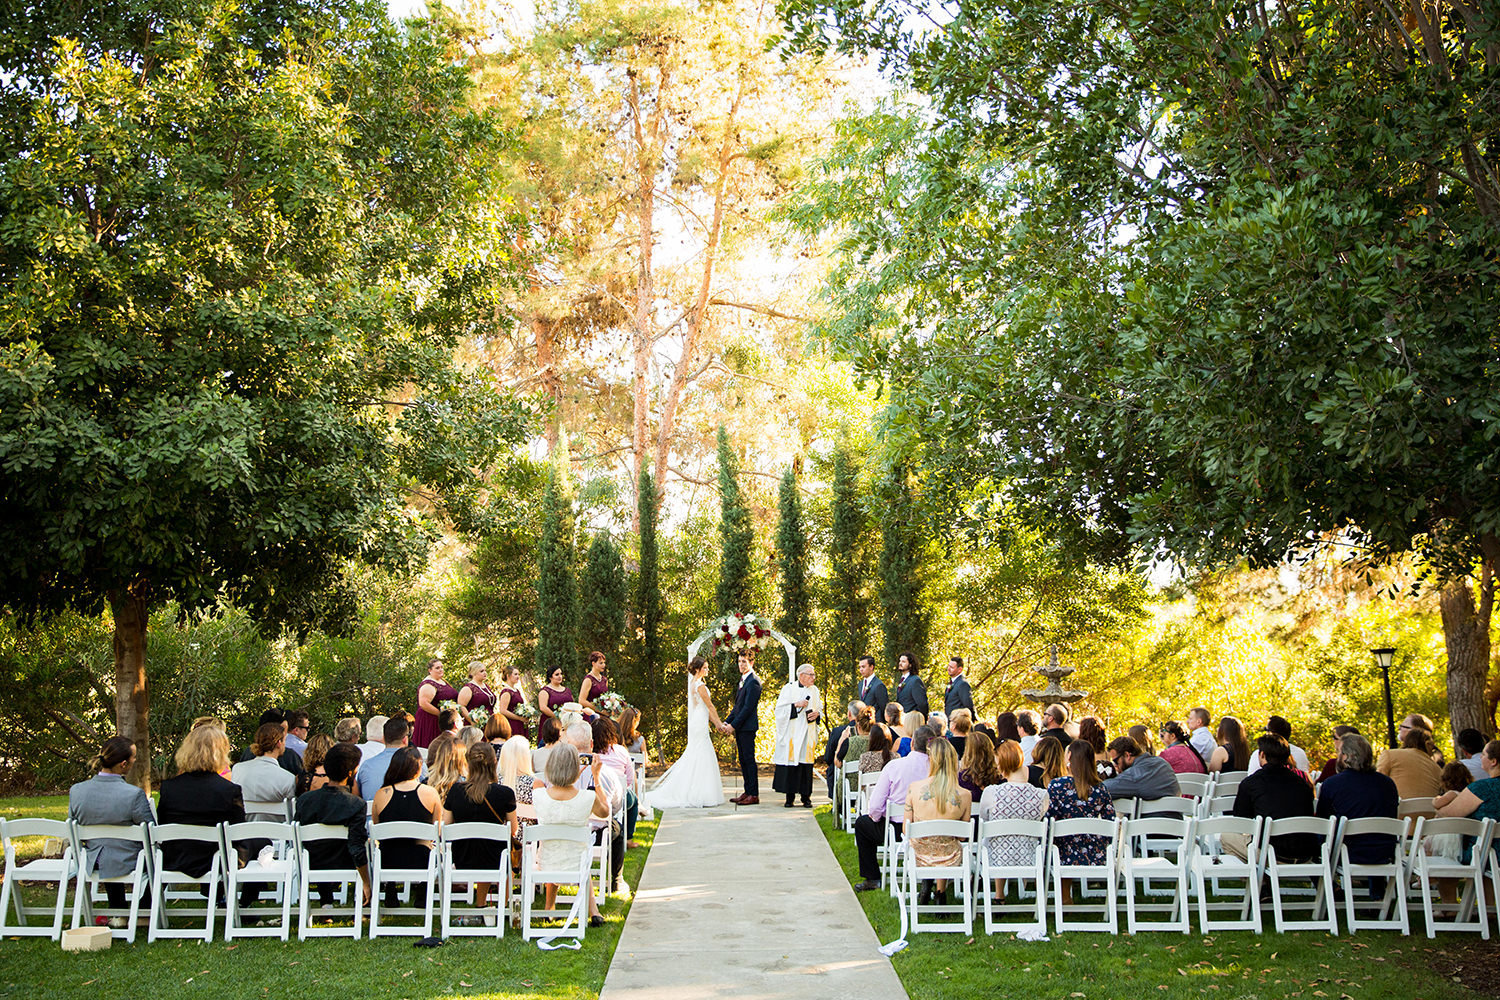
(798, 709)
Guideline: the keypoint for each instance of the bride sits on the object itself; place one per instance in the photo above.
(693, 782)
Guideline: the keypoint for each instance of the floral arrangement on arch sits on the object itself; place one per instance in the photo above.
(737, 632)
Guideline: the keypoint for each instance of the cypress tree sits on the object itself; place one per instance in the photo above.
(556, 594)
(791, 546)
(903, 621)
(649, 608)
(603, 597)
(736, 533)
(847, 597)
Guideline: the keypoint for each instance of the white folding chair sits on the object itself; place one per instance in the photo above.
(278, 870)
(1175, 807)
(1318, 870)
(1393, 872)
(490, 919)
(279, 808)
(60, 870)
(848, 787)
(1125, 807)
(1215, 804)
(575, 920)
(1107, 872)
(1228, 784)
(138, 881)
(893, 856)
(163, 878)
(1157, 848)
(1034, 830)
(867, 783)
(1415, 808)
(1469, 913)
(958, 874)
(638, 760)
(407, 879)
(344, 879)
(1210, 863)
(1195, 785)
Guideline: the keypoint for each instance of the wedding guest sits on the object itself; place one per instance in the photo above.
(1411, 767)
(593, 684)
(977, 769)
(1331, 765)
(468, 736)
(561, 802)
(313, 775)
(497, 730)
(1417, 720)
(1275, 790)
(1356, 791)
(1007, 729)
(516, 774)
(1055, 725)
(446, 761)
(1079, 793)
(374, 737)
(548, 733)
(1049, 762)
(630, 738)
(1142, 737)
(290, 759)
(481, 798)
(395, 734)
(297, 725)
(476, 694)
(937, 796)
(403, 798)
(554, 694)
(1281, 727)
(1178, 751)
(1014, 797)
(961, 722)
(448, 722)
(580, 736)
(337, 804)
(1030, 727)
(431, 693)
(938, 723)
(1139, 775)
(856, 739)
(1470, 746)
(346, 730)
(880, 753)
(893, 715)
(1198, 733)
(1481, 799)
(910, 723)
(887, 801)
(1233, 751)
(262, 778)
(107, 799)
(199, 795)
(1091, 731)
(509, 699)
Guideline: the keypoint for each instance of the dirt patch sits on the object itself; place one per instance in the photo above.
(1471, 961)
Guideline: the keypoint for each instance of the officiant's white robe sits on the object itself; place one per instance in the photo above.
(795, 736)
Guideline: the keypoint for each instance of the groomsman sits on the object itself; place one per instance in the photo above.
(911, 693)
(745, 721)
(871, 688)
(957, 694)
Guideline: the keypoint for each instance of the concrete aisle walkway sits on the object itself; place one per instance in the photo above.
(746, 902)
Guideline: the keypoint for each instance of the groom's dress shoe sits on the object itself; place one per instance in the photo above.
(749, 800)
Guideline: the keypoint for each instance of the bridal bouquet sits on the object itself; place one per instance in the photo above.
(737, 632)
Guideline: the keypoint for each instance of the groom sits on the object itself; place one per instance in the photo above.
(744, 719)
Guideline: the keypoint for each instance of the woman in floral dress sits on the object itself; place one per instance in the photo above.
(1076, 794)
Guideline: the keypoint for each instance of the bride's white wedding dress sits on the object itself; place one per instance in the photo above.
(692, 782)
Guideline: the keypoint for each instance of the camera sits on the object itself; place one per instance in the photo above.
(586, 759)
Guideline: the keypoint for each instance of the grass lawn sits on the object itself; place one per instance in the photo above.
(1236, 965)
(364, 969)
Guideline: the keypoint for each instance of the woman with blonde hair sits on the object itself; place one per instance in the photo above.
(313, 775)
(910, 723)
(938, 796)
(200, 795)
(445, 764)
(516, 774)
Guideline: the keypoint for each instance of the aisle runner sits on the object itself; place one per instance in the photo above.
(746, 902)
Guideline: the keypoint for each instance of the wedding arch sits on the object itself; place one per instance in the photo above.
(736, 631)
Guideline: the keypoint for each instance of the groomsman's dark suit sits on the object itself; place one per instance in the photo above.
(872, 692)
(911, 694)
(744, 719)
(958, 696)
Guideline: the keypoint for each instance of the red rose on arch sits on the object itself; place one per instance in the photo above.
(744, 632)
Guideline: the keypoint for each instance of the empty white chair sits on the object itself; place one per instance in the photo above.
(1157, 849)
(893, 856)
(1210, 863)
(1176, 807)
(164, 877)
(1107, 872)
(1390, 907)
(278, 872)
(1470, 913)
(1317, 869)
(533, 877)
(848, 787)
(1030, 847)
(1195, 785)
(61, 870)
(136, 882)
(956, 873)
(344, 879)
(383, 871)
(471, 920)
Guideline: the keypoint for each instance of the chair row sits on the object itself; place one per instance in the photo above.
(283, 867)
(1164, 865)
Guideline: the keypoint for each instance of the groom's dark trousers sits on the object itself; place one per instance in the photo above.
(745, 719)
(745, 741)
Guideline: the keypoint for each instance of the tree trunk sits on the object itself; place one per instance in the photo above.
(132, 704)
(546, 366)
(1466, 634)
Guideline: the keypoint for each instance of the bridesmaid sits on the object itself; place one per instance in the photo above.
(476, 693)
(593, 685)
(507, 700)
(431, 693)
(553, 693)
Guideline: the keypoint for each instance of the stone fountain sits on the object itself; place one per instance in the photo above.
(1053, 692)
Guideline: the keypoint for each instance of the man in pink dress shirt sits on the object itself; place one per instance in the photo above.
(889, 800)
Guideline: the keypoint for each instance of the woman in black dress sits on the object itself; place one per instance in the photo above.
(403, 798)
(481, 799)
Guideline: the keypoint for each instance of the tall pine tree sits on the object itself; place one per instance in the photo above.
(903, 621)
(556, 595)
(736, 532)
(791, 549)
(603, 597)
(847, 597)
(649, 607)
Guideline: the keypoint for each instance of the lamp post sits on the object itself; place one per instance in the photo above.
(1383, 657)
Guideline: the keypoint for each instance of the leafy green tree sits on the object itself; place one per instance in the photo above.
(736, 533)
(791, 553)
(903, 618)
(226, 364)
(556, 590)
(604, 597)
(848, 584)
(649, 607)
(1224, 291)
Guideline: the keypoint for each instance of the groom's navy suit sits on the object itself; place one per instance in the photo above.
(744, 719)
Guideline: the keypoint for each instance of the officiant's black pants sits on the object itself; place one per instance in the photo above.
(869, 835)
(745, 741)
(793, 780)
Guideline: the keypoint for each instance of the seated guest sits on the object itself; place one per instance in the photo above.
(1014, 797)
(938, 796)
(450, 720)
(619, 764)
(548, 733)
(887, 802)
(563, 803)
(313, 775)
(395, 734)
(374, 737)
(938, 723)
(1091, 731)
(1079, 793)
(1048, 763)
(1139, 775)
(1055, 724)
(910, 723)
(1331, 765)
(346, 730)
(960, 724)
(1277, 791)
(262, 778)
(497, 731)
(515, 774)
(1357, 790)
(1417, 720)
(1280, 727)
(1007, 728)
(835, 744)
(1481, 799)
(1142, 737)
(977, 770)
(297, 727)
(480, 798)
(881, 751)
(1233, 751)
(199, 795)
(1030, 726)
(337, 804)
(290, 759)
(581, 736)
(107, 799)
(1470, 746)
(856, 738)
(1178, 752)
(403, 798)
(630, 737)
(1411, 767)
(447, 763)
